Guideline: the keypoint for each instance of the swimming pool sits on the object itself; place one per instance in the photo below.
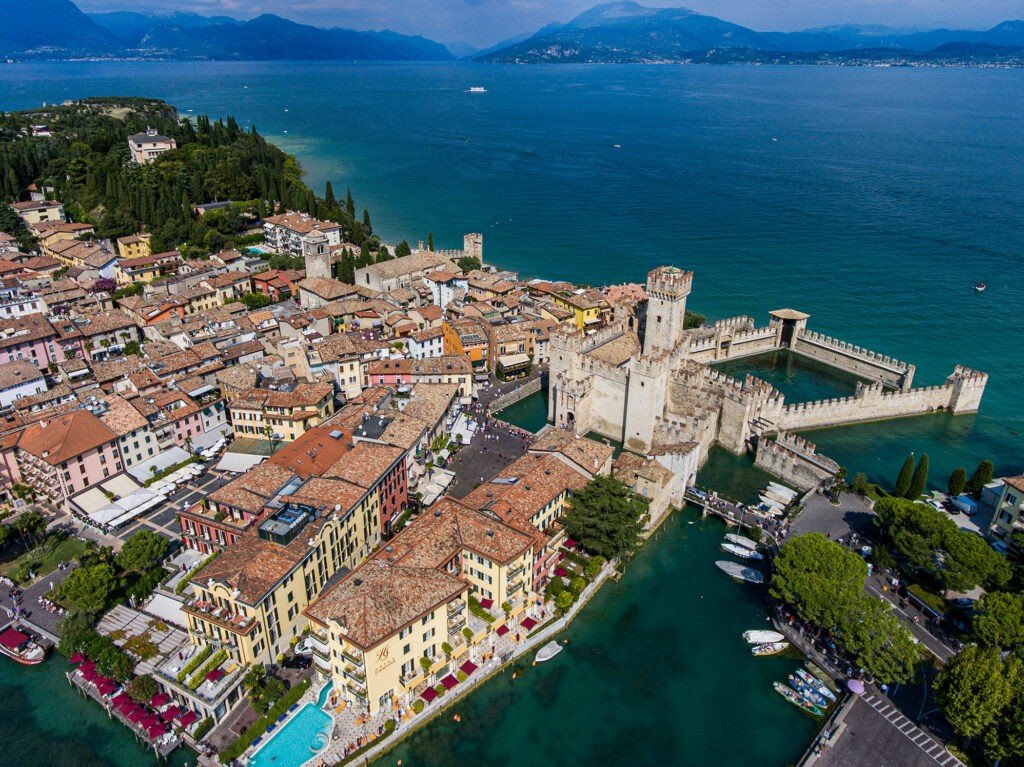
(300, 738)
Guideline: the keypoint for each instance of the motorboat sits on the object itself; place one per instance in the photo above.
(477, 89)
(739, 540)
(760, 636)
(748, 574)
(807, 692)
(782, 490)
(741, 551)
(798, 701)
(816, 684)
(21, 647)
(980, 287)
(772, 648)
(548, 651)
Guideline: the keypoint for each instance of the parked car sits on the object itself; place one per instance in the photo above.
(297, 661)
(935, 504)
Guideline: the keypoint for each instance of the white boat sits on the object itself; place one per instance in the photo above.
(740, 540)
(761, 636)
(979, 287)
(477, 89)
(782, 490)
(741, 551)
(748, 574)
(778, 507)
(776, 498)
(548, 651)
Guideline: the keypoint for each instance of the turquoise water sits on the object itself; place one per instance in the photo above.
(799, 379)
(300, 738)
(655, 674)
(886, 195)
(530, 413)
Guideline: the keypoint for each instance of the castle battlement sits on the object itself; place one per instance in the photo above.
(669, 282)
(743, 321)
(844, 347)
(753, 334)
(968, 376)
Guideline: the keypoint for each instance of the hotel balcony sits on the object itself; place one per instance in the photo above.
(357, 662)
(357, 689)
(322, 664)
(517, 570)
(220, 616)
(456, 623)
(354, 674)
(454, 608)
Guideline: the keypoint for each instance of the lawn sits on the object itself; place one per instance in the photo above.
(45, 558)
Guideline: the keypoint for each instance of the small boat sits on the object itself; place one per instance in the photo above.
(771, 648)
(807, 692)
(548, 651)
(741, 552)
(776, 505)
(781, 490)
(21, 648)
(748, 574)
(980, 287)
(477, 89)
(739, 540)
(796, 700)
(816, 684)
(776, 498)
(759, 636)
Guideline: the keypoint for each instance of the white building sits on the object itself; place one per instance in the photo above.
(426, 343)
(146, 147)
(446, 287)
(288, 233)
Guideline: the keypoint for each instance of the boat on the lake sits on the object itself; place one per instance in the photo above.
(740, 540)
(748, 574)
(21, 647)
(980, 287)
(741, 552)
(816, 684)
(548, 651)
(760, 636)
(782, 491)
(771, 648)
(477, 89)
(807, 692)
(796, 699)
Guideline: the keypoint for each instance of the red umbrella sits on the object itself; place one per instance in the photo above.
(160, 699)
(187, 718)
(77, 657)
(156, 730)
(170, 713)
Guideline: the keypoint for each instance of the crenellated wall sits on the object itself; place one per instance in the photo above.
(794, 460)
(863, 363)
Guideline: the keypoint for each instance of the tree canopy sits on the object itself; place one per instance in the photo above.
(605, 517)
(902, 485)
(974, 687)
(88, 587)
(999, 621)
(141, 551)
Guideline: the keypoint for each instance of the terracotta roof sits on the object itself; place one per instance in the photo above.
(417, 262)
(65, 437)
(314, 452)
(301, 223)
(1015, 482)
(18, 372)
(588, 454)
(366, 464)
(252, 490)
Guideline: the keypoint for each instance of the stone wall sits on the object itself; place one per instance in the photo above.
(794, 460)
(863, 363)
(530, 387)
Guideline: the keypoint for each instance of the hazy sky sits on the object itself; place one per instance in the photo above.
(482, 22)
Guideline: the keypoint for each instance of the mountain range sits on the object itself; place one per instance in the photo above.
(69, 33)
(624, 31)
(616, 32)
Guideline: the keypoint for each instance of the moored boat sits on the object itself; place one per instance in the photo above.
(759, 636)
(21, 647)
(771, 648)
(548, 651)
(807, 692)
(816, 684)
(796, 700)
(740, 540)
(748, 574)
(741, 552)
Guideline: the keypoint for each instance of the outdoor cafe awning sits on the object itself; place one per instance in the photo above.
(189, 717)
(468, 667)
(513, 361)
(429, 694)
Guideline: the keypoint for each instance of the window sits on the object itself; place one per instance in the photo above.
(405, 632)
(406, 649)
(429, 634)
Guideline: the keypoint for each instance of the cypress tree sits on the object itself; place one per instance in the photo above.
(905, 477)
(329, 196)
(350, 205)
(430, 240)
(957, 481)
(920, 479)
(981, 477)
(367, 227)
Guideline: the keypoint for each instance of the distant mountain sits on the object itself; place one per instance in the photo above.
(52, 25)
(625, 31)
(58, 29)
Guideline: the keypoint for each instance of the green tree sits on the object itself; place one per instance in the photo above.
(920, 479)
(605, 518)
(972, 690)
(903, 480)
(30, 527)
(1005, 736)
(881, 644)
(999, 621)
(577, 584)
(820, 579)
(468, 264)
(402, 249)
(430, 240)
(329, 200)
(564, 600)
(383, 254)
(957, 481)
(141, 551)
(88, 588)
(76, 632)
(115, 663)
(981, 477)
(142, 689)
(255, 301)
(860, 483)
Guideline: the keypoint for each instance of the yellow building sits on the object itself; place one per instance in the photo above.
(587, 307)
(134, 246)
(249, 599)
(283, 416)
(466, 338)
(138, 269)
(401, 619)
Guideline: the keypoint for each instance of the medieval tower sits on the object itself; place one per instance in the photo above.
(667, 289)
(317, 255)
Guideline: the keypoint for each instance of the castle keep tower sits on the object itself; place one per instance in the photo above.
(317, 255)
(667, 289)
(473, 245)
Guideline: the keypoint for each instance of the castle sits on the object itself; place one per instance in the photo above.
(647, 381)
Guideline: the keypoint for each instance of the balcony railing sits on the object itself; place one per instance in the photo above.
(357, 662)
(352, 673)
(456, 607)
(358, 689)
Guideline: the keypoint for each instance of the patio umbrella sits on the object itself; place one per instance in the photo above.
(160, 699)
(77, 658)
(187, 718)
(156, 730)
(855, 686)
(170, 713)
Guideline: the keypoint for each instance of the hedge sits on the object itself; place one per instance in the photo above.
(183, 583)
(197, 679)
(934, 601)
(193, 664)
(235, 749)
(478, 611)
(362, 750)
(204, 727)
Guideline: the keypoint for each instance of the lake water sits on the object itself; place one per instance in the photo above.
(871, 198)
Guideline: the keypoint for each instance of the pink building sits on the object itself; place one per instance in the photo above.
(65, 455)
(31, 338)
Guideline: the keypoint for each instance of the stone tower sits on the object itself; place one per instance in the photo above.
(667, 289)
(473, 245)
(317, 255)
